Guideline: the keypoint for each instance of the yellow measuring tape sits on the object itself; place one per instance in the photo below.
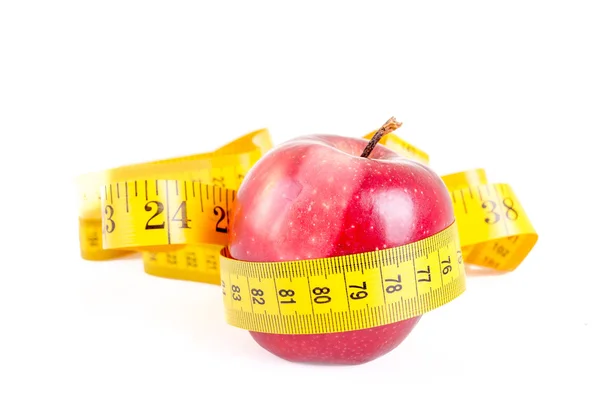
(494, 230)
(135, 193)
(343, 293)
(176, 213)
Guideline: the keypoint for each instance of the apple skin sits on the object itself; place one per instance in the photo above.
(313, 197)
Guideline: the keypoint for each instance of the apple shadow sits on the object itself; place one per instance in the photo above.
(473, 270)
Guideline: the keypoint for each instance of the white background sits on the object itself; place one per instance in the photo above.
(510, 86)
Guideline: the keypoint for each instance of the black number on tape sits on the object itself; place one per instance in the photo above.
(219, 212)
(501, 250)
(257, 296)
(447, 267)
(159, 209)
(184, 219)
(219, 181)
(211, 262)
(511, 213)
(321, 295)
(236, 293)
(491, 262)
(171, 259)
(109, 211)
(425, 271)
(508, 203)
(93, 239)
(361, 294)
(191, 260)
(394, 288)
(492, 205)
(287, 293)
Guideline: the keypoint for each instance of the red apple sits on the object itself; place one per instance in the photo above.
(315, 196)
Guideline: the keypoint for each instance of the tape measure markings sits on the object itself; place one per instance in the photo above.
(504, 203)
(494, 230)
(194, 262)
(122, 228)
(318, 295)
(462, 196)
(336, 321)
(90, 242)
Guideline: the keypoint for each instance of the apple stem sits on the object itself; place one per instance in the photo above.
(390, 126)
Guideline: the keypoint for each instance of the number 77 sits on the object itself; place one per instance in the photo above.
(428, 272)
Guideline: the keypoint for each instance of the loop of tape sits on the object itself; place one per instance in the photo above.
(175, 213)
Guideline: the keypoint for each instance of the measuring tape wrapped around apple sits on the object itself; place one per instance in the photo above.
(328, 248)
